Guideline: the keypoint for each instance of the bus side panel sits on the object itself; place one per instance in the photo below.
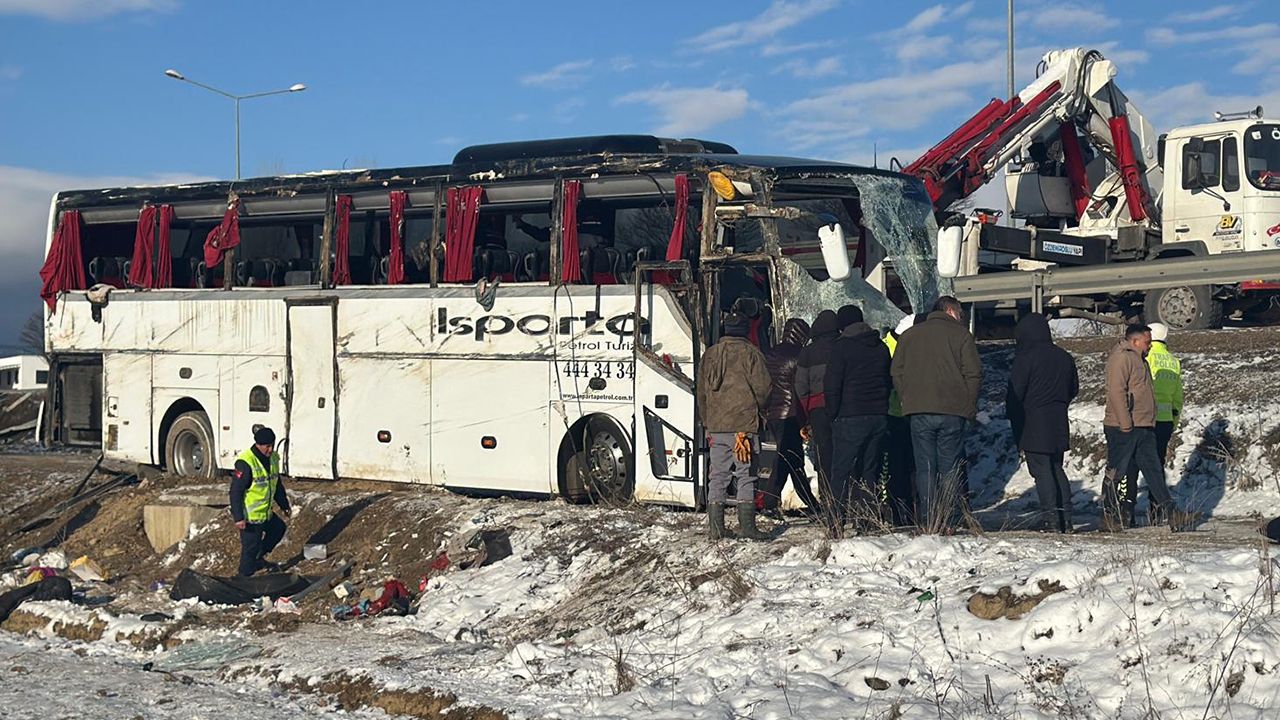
(181, 379)
(127, 407)
(384, 430)
(504, 401)
(253, 394)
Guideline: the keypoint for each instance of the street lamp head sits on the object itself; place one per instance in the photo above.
(174, 74)
(298, 87)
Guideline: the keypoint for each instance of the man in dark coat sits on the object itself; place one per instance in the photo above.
(938, 374)
(1042, 383)
(857, 390)
(811, 370)
(784, 417)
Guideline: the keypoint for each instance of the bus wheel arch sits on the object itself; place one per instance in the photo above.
(596, 461)
(187, 439)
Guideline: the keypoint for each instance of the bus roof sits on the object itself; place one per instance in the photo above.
(513, 161)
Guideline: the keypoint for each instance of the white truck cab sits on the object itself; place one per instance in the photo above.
(1222, 186)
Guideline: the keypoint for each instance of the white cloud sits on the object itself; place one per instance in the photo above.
(1078, 18)
(899, 102)
(780, 15)
(622, 63)
(690, 110)
(1167, 36)
(1192, 103)
(72, 10)
(566, 74)
(933, 16)
(776, 49)
(1213, 13)
(25, 194)
(806, 69)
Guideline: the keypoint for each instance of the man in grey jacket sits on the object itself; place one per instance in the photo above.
(733, 391)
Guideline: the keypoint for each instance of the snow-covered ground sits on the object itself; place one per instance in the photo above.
(631, 612)
(672, 626)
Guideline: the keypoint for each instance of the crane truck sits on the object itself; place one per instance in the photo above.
(1119, 222)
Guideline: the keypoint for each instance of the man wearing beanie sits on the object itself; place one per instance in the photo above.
(857, 389)
(733, 391)
(255, 485)
(1166, 380)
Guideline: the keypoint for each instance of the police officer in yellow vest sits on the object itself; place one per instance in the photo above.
(255, 485)
(1166, 378)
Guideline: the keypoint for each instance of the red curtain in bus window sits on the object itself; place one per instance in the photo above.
(223, 238)
(395, 259)
(675, 246)
(342, 242)
(570, 255)
(162, 274)
(63, 269)
(462, 213)
(144, 249)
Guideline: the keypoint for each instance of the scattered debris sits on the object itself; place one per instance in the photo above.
(203, 656)
(315, 551)
(51, 588)
(87, 570)
(235, 590)
(1004, 604)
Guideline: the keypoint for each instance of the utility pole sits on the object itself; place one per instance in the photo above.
(1008, 205)
(297, 87)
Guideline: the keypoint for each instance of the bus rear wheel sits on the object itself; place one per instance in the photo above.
(602, 468)
(188, 449)
(1187, 307)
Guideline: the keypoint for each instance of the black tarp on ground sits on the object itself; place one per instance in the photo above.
(50, 588)
(235, 590)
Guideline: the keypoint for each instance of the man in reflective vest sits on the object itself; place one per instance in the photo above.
(896, 491)
(255, 485)
(1166, 379)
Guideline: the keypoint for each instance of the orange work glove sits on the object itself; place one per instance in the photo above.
(742, 448)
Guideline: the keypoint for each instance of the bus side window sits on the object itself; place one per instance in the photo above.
(259, 399)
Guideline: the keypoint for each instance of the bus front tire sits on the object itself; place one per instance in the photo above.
(1186, 307)
(188, 449)
(601, 469)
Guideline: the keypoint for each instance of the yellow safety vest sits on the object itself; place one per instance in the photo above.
(1166, 376)
(257, 499)
(895, 402)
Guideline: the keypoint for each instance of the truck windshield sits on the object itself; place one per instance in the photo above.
(1262, 156)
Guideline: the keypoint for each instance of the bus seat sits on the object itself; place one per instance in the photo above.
(492, 261)
(106, 271)
(600, 265)
(536, 266)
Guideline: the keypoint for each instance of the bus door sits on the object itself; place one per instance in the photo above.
(312, 400)
(665, 425)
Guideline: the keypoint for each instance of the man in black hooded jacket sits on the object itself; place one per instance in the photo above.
(1042, 383)
(811, 372)
(857, 398)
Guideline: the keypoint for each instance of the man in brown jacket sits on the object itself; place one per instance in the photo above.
(1129, 425)
(937, 373)
(733, 391)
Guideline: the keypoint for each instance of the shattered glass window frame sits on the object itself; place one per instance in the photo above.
(898, 215)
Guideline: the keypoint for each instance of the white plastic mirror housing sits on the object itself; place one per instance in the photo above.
(950, 246)
(835, 254)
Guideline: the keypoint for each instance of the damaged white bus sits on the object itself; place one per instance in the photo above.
(525, 320)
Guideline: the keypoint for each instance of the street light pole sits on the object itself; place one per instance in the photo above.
(296, 87)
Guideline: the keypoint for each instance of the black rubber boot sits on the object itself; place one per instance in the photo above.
(715, 521)
(747, 522)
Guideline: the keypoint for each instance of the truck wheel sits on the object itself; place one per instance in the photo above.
(1188, 307)
(602, 469)
(188, 449)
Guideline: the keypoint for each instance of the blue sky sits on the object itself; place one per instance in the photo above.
(84, 101)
